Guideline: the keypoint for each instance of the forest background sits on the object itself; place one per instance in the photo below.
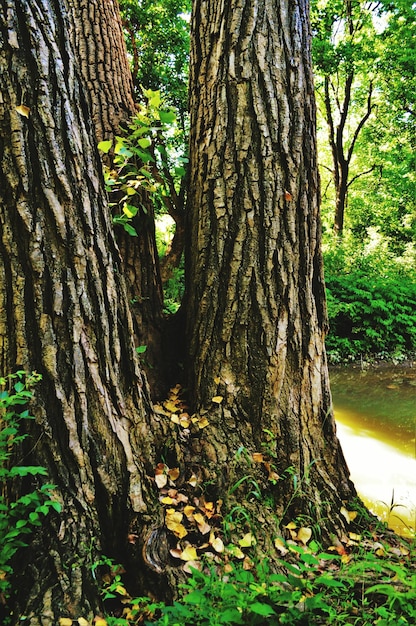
(365, 75)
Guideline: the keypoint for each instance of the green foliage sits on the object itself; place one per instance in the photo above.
(146, 159)
(371, 304)
(312, 587)
(17, 516)
(157, 35)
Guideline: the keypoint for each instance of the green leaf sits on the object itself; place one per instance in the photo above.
(123, 151)
(130, 210)
(144, 143)
(167, 117)
(34, 470)
(130, 230)
(20, 523)
(262, 609)
(105, 146)
(141, 349)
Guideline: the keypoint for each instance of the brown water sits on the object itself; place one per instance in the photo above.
(375, 411)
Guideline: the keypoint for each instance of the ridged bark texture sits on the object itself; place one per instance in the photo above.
(64, 312)
(96, 37)
(257, 317)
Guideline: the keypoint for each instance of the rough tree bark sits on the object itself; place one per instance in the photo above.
(64, 312)
(256, 304)
(97, 41)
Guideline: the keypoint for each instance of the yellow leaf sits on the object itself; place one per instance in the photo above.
(167, 500)
(291, 526)
(247, 541)
(279, 544)
(173, 521)
(179, 531)
(99, 621)
(173, 517)
(193, 481)
(189, 554)
(65, 621)
(354, 536)
(82, 621)
(24, 110)
(203, 422)
(304, 534)
(199, 518)
(217, 380)
(174, 473)
(218, 544)
(348, 515)
(236, 552)
(258, 457)
(175, 418)
(121, 590)
(171, 406)
(184, 420)
(127, 211)
(158, 408)
(217, 399)
(188, 510)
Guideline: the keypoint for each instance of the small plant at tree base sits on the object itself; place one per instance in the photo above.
(17, 517)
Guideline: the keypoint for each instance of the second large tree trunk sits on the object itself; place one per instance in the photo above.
(257, 318)
(64, 312)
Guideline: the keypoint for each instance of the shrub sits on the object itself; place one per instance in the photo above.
(18, 516)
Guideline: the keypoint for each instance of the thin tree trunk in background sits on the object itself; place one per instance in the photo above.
(64, 312)
(257, 314)
(97, 40)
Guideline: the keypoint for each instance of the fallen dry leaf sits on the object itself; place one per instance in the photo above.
(247, 541)
(190, 565)
(189, 554)
(217, 544)
(24, 110)
(280, 545)
(304, 534)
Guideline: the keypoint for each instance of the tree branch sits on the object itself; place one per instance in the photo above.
(362, 174)
(363, 120)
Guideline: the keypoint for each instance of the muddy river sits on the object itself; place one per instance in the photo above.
(375, 411)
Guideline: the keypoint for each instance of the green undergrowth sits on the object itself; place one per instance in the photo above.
(374, 584)
(371, 298)
(19, 514)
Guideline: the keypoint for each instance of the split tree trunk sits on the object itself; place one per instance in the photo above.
(64, 312)
(257, 314)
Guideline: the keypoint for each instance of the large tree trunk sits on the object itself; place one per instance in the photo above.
(64, 312)
(257, 316)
